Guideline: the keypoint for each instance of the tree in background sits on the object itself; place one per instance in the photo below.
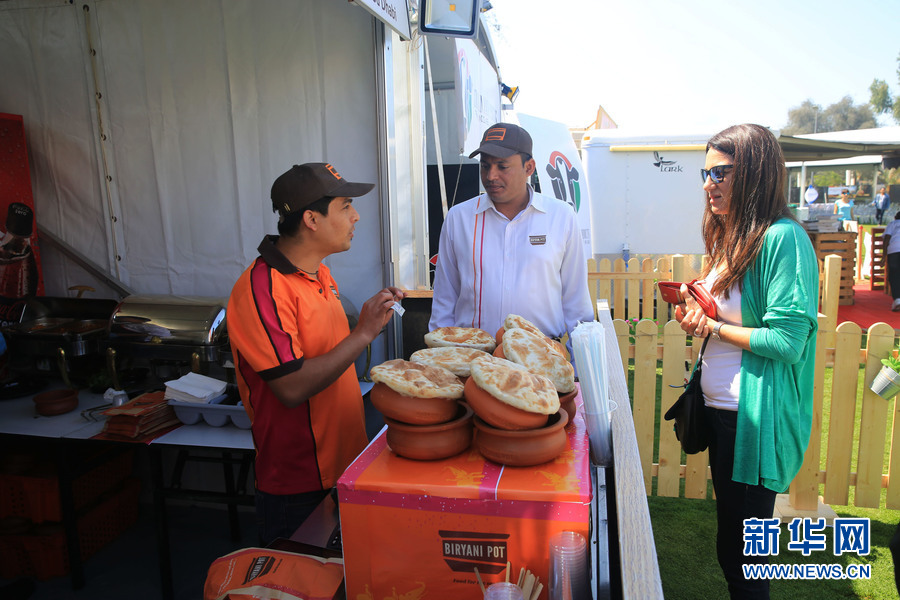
(804, 119)
(883, 103)
(827, 179)
(881, 100)
(844, 115)
(840, 116)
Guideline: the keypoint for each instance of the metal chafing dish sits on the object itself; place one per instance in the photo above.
(187, 329)
(58, 329)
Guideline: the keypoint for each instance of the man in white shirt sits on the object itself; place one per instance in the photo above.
(510, 250)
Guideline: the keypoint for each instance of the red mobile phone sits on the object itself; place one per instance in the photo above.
(670, 291)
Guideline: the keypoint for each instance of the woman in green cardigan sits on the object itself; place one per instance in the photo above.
(757, 375)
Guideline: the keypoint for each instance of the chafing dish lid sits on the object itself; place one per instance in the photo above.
(166, 319)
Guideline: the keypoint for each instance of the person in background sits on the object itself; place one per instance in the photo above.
(294, 352)
(892, 250)
(511, 249)
(757, 377)
(882, 202)
(843, 206)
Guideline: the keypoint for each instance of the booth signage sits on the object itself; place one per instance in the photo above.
(393, 13)
(455, 515)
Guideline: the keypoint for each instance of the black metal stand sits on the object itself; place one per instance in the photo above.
(235, 494)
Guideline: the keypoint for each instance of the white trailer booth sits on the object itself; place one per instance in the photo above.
(645, 190)
(156, 127)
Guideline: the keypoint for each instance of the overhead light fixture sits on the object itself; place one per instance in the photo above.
(509, 93)
(454, 18)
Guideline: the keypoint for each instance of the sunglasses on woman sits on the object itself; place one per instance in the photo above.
(717, 173)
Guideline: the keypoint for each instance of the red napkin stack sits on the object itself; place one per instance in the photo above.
(145, 415)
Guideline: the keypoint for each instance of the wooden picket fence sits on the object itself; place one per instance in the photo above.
(630, 291)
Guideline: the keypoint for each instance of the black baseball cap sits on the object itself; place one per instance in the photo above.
(304, 184)
(503, 140)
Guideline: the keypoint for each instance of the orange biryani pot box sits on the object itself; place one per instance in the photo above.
(418, 529)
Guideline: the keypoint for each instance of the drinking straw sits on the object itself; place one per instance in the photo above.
(589, 346)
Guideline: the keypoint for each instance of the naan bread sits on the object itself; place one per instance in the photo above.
(416, 380)
(456, 359)
(516, 322)
(467, 337)
(514, 385)
(531, 351)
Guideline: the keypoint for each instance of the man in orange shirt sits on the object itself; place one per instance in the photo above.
(294, 352)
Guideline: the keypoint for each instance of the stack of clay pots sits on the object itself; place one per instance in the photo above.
(425, 419)
(518, 420)
(518, 407)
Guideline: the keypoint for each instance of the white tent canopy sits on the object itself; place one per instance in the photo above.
(153, 155)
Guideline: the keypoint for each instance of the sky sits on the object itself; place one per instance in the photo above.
(692, 66)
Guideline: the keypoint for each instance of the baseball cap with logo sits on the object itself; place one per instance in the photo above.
(304, 184)
(503, 140)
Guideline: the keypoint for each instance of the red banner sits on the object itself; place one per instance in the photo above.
(20, 265)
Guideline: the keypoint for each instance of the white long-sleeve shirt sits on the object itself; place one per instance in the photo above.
(532, 266)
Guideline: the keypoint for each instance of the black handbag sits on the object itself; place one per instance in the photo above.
(689, 412)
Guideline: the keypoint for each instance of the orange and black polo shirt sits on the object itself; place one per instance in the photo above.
(277, 316)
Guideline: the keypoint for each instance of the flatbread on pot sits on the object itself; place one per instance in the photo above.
(531, 351)
(417, 380)
(468, 337)
(514, 385)
(516, 322)
(456, 359)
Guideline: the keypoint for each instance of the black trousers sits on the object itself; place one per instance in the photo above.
(894, 273)
(280, 516)
(894, 547)
(734, 503)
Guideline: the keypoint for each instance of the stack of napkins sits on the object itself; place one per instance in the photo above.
(194, 387)
(146, 415)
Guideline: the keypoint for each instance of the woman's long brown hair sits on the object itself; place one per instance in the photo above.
(757, 200)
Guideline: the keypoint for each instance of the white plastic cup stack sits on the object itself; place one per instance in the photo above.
(589, 346)
(503, 591)
(569, 578)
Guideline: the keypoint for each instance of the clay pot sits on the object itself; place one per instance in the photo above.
(56, 402)
(567, 403)
(522, 448)
(499, 414)
(499, 335)
(431, 442)
(414, 411)
(498, 352)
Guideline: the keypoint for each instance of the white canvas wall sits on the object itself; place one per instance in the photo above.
(203, 104)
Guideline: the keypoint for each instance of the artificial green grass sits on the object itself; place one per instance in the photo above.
(685, 534)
